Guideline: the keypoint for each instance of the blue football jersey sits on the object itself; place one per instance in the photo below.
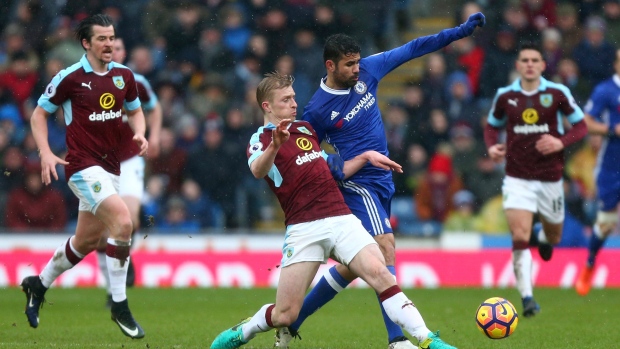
(350, 120)
(604, 106)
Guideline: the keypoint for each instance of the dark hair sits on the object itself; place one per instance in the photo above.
(338, 45)
(528, 45)
(85, 28)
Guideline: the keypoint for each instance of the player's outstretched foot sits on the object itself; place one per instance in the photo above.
(121, 315)
(401, 343)
(434, 342)
(284, 335)
(35, 297)
(231, 338)
(584, 281)
(530, 307)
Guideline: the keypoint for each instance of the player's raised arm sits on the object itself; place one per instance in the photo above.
(155, 121)
(261, 166)
(38, 123)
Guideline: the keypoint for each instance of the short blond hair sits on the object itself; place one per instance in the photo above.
(272, 81)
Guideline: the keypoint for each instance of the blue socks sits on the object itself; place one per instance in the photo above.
(325, 290)
(596, 243)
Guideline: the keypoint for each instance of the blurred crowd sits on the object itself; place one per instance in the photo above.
(204, 59)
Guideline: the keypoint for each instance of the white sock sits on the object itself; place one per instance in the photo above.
(117, 270)
(405, 314)
(542, 237)
(257, 324)
(103, 267)
(598, 232)
(522, 265)
(59, 263)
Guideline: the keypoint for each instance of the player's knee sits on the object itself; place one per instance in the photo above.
(606, 221)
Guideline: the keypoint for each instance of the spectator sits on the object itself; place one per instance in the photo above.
(176, 220)
(611, 13)
(569, 26)
(498, 62)
(170, 162)
(434, 197)
(461, 107)
(20, 79)
(568, 74)
(199, 207)
(35, 206)
(552, 51)
(462, 219)
(595, 55)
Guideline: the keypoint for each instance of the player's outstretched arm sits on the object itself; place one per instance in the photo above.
(262, 165)
(38, 123)
(375, 158)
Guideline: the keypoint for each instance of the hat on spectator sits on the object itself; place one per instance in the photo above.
(213, 122)
(595, 23)
(440, 163)
(463, 197)
(461, 129)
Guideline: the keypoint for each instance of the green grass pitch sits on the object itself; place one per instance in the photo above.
(191, 318)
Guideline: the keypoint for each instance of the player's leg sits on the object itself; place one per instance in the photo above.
(307, 245)
(520, 200)
(608, 197)
(365, 259)
(550, 203)
(67, 255)
(131, 190)
(372, 208)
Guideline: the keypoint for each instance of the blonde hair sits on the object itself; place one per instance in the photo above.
(272, 81)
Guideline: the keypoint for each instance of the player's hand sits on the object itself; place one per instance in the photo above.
(381, 161)
(153, 152)
(497, 152)
(142, 143)
(475, 20)
(336, 166)
(547, 144)
(48, 167)
(281, 133)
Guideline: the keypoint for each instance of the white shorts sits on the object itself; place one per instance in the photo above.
(132, 177)
(340, 238)
(546, 198)
(93, 185)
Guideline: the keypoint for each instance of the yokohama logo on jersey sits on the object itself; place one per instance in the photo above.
(106, 115)
(527, 129)
(307, 157)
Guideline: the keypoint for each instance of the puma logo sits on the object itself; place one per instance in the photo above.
(513, 102)
(87, 85)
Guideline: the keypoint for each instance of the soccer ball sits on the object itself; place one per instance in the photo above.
(497, 318)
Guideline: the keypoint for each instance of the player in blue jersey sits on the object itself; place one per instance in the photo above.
(603, 118)
(345, 113)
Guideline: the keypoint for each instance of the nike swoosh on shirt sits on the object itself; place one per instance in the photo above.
(131, 333)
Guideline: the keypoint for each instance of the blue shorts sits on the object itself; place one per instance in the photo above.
(369, 205)
(608, 190)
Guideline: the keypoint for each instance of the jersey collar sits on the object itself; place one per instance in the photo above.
(516, 85)
(331, 90)
(88, 68)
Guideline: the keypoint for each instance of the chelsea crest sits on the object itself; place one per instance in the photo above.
(360, 87)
